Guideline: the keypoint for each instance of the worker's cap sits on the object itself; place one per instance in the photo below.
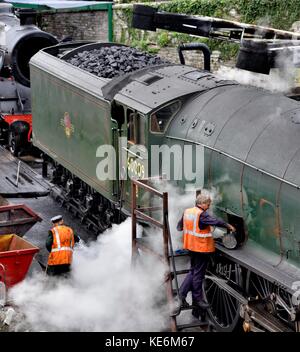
(56, 218)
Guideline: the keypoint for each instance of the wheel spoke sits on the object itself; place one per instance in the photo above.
(257, 290)
(213, 296)
(229, 310)
(224, 309)
(263, 286)
(209, 288)
(232, 302)
(217, 302)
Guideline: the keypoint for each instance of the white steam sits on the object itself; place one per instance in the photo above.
(103, 294)
(277, 81)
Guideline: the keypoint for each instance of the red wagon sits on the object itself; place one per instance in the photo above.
(16, 255)
(17, 219)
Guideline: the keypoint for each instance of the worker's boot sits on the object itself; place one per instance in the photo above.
(196, 312)
(179, 304)
(184, 303)
(202, 304)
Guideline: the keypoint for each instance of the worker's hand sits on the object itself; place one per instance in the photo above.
(231, 228)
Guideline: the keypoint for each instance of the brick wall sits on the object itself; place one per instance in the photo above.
(85, 25)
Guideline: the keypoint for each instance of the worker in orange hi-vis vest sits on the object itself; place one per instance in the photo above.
(60, 243)
(198, 240)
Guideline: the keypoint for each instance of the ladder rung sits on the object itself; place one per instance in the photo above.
(180, 272)
(178, 255)
(187, 308)
(192, 325)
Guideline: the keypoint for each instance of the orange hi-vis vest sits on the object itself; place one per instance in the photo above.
(62, 247)
(195, 239)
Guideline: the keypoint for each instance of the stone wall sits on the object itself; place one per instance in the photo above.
(80, 25)
(192, 58)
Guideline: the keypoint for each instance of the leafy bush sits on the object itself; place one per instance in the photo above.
(273, 13)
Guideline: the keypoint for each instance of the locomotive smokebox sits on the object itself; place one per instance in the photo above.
(20, 39)
(253, 56)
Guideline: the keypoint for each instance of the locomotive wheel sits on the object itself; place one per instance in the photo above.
(262, 289)
(14, 143)
(224, 309)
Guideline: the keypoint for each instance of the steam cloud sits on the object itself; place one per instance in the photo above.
(276, 81)
(104, 293)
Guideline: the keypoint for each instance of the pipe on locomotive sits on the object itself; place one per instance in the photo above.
(195, 46)
(20, 39)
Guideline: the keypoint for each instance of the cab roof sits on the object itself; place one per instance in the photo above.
(148, 89)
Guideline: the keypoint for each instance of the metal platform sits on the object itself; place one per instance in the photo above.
(18, 180)
(270, 267)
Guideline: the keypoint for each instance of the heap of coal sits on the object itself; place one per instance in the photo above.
(112, 61)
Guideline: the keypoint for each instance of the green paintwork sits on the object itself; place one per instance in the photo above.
(91, 127)
(267, 204)
(271, 224)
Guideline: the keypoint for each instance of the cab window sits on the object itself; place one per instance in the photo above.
(159, 120)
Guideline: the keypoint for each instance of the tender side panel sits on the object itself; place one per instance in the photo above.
(70, 125)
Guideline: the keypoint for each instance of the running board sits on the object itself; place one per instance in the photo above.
(201, 324)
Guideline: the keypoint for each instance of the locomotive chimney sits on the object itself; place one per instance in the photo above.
(20, 39)
(27, 16)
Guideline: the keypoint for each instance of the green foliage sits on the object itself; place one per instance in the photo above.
(153, 50)
(163, 39)
(273, 13)
(276, 13)
(195, 7)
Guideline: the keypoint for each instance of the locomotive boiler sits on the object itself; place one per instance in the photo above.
(246, 140)
(20, 39)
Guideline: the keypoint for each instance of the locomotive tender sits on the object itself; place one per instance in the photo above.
(247, 141)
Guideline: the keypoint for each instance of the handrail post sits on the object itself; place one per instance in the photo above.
(134, 251)
(165, 228)
(166, 235)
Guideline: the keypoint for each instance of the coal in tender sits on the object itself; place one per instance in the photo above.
(112, 61)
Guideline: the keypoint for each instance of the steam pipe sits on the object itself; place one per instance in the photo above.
(195, 46)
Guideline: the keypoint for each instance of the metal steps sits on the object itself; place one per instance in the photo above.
(180, 318)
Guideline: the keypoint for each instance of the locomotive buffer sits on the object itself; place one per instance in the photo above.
(178, 319)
